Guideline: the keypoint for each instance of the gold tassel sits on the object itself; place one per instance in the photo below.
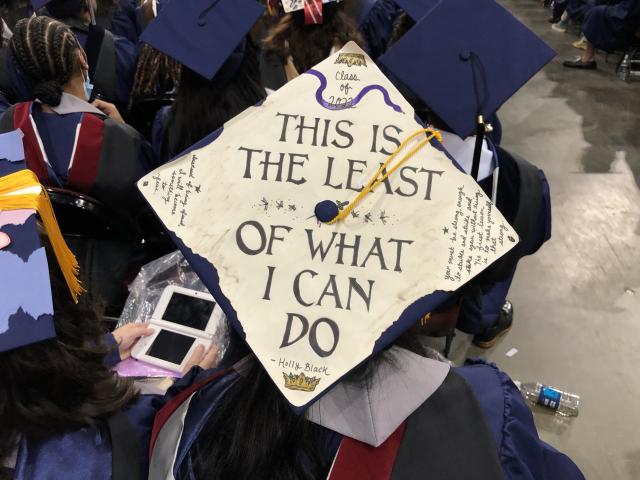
(9, 200)
(381, 176)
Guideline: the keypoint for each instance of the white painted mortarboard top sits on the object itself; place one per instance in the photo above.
(312, 299)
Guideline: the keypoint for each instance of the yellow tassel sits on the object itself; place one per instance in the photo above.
(10, 200)
(380, 177)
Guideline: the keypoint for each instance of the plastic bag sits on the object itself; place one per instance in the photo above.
(135, 368)
(153, 278)
(145, 292)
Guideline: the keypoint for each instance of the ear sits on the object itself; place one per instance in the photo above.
(82, 61)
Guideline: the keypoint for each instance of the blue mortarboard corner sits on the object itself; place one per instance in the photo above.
(465, 58)
(26, 309)
(203, 34)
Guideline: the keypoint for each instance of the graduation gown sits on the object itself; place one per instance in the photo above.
(112, 66)
(114, 449)
(123, 20)
(158, 132)
(376, 19)
(577, 9)
(522, 195)
(81, 149)
(612, 27)
(83, 453)
(417, 418)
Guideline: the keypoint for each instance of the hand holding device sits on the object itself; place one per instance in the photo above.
(128, 335)
(184, 323)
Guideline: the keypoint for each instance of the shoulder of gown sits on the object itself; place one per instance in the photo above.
(523, 454)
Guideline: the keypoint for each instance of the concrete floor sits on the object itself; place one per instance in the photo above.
(577, 301)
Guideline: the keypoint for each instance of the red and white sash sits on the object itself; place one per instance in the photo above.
(85, 156)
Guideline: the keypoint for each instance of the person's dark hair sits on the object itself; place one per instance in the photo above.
(60, 384)
(308, 45)
(402, 25)
(202, 106)
(106, 8)
(45, 51)
(254, 432)
(156, 75)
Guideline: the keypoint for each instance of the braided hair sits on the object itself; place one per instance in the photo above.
(156, 74)
(44, 50)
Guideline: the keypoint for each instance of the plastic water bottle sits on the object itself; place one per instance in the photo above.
(564, 403)
(624, 69)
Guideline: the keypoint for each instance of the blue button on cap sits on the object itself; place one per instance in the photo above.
(465, 55)
(326, 211)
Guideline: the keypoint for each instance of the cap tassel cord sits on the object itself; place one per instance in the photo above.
(380, 176)
(40, 203)
(481, 127)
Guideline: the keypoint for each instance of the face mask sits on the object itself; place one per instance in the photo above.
(88, 88)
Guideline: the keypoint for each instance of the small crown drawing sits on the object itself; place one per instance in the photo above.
(300, 382)
(351, 59)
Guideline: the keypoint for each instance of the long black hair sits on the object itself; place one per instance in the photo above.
(60, 384)
(156, 75)
(45, 50)
(202, 106)
(255, 434)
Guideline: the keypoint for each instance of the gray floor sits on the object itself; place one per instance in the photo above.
(577, 324)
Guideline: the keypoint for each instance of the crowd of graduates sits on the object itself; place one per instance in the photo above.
(103, 92)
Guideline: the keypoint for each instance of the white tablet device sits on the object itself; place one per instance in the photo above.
(182, 320)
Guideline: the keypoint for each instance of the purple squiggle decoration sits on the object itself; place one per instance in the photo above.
(357, 98)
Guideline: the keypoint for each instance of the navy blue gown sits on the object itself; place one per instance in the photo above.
(511, 436)
(126, 58)
(86, 453)
(125, 21)
(612, 27)
(484, 298)
(376, 21)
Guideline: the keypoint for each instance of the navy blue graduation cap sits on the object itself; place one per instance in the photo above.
(203, 34)
(26, 307)
(314, 300)
(464, 59)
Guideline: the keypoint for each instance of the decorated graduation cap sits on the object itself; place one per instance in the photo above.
(326, 221)
(473, 51)
(26, 309)
(313, 9)
(204, 35)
